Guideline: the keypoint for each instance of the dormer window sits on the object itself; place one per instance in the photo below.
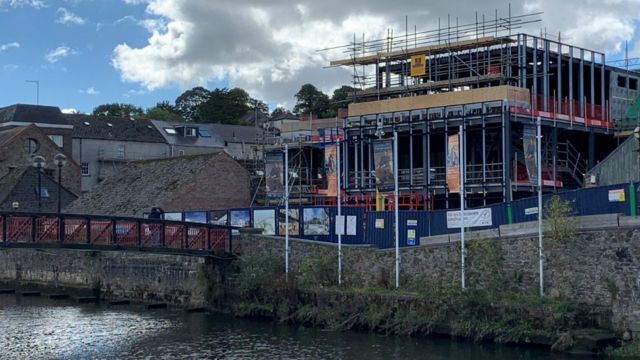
(190, 131)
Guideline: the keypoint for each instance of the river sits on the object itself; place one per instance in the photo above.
(39, 328)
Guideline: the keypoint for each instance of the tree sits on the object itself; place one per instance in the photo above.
(224, 106)
(312, 101)
(118, 110)
(278, 111)
(159, 113)
(341, 98)
(188, 102)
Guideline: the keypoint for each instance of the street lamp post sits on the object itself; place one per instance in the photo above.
(38, 162)
(60, 160)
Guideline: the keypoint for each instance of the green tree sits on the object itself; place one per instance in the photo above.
(224, 106)
(158, 113)
(312, 101)
(341, 98)
(279, 111)
(118, 110)
(188, 102)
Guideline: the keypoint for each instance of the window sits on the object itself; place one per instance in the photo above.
(633, 83)
(44, 192)
(120, 152)
(622, 81)
(30, 146)
(170, 131)
(190, 131)
(84, 169)
(204, 133)
(180, 152)
(58, 139)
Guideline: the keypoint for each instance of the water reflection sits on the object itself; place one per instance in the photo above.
(37, 328)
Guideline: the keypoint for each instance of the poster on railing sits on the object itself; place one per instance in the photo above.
(330, 163)
(265, 219)
(294, 222)
(274, 174)
(529, 145)
(316, 221)
(383, 163)
(453, 163)
(239, 218)
(472, 218)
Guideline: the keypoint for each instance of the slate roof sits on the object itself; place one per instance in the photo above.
(141, 185)
(284, 116)
(121, 129)
(8, 134)
(32, 114)
(20, 185)
(237, 133)
(214, 141)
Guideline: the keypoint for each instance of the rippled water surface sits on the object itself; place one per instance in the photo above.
(38, 328)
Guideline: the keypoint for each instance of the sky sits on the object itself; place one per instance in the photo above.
(84, 53)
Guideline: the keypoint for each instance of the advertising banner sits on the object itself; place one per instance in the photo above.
(418, 65)
(529, 144)
(383, 160)
(472, 218)
(330, 166)
(453, 163)
(274, 174)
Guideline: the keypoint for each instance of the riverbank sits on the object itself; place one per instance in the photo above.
(256, 287)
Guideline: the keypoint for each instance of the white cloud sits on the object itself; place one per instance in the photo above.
(133, 92)
(11, 45)
(37, 4)
(69, 111)
(270, 48)
(90, 91)
(67, 17)
(60, 52)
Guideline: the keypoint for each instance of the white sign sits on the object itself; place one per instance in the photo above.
(412, 222)
(531, 211)
(616, 195)
(472, 218)
(351, 225)
(339, 224)
(379, 223)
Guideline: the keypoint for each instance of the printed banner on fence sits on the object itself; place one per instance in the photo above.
(453, 163)
(274, 174)
(530, 144)
(383, 159)
(472, 218)
(418, 65)
(616, 195)
(330, 164)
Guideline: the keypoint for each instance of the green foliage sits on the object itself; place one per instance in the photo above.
(278, 111)
(485, 265)
(341, 98)
(312, 101)
(118, 110)
(558, 220)
(187, 103)
(318, 270)
(159, 113)
(628, 350)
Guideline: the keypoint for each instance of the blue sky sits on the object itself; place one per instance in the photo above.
(90, 52)
(81, 76)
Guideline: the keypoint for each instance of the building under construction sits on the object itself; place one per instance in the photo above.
(493, 83)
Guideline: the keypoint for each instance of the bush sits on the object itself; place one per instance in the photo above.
(558, 220)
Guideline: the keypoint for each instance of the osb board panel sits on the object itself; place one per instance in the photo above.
(441, 99)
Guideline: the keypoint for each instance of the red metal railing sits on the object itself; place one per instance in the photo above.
(566, 110)
(412, 201)
(116, 232)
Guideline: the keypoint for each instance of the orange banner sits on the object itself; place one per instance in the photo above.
(453, 164)
(330, 167)
(418, 65)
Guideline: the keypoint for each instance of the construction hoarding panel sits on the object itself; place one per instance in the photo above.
(453, 163)
(418, 65)
(330, 166)
(274, 174)
(383, 160)
(529, 144)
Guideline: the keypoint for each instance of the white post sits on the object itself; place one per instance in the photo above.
(286, 209)
(540, 250)
(462, 222)
(339, 195)
(395, 206)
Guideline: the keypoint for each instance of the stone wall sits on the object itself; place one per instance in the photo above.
(597, 267)
(171, 279)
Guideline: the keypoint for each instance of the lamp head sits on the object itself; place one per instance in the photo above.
(38, 161)
(60, 160)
